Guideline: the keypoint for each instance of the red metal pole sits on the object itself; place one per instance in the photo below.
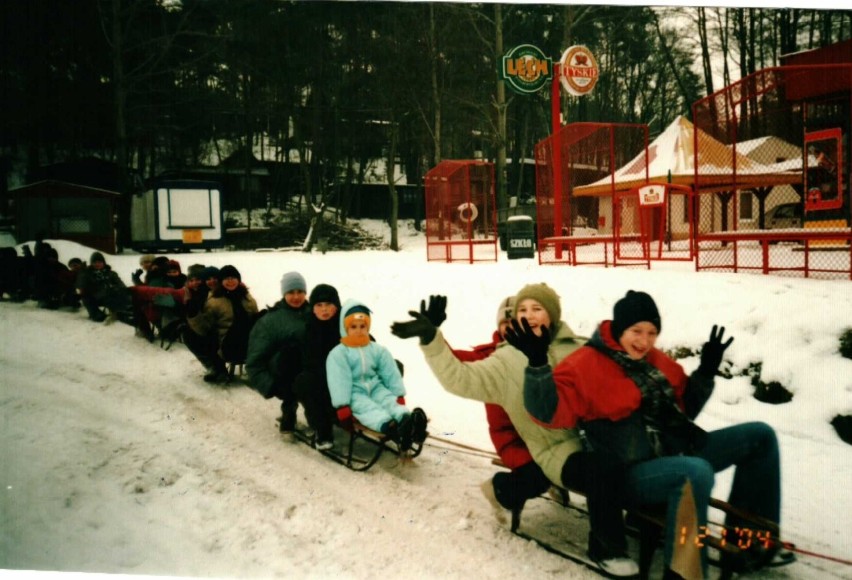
(556, 156)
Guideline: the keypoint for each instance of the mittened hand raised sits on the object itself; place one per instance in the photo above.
(712, 351)
(422, 325)
(437, 310)
(521, 336)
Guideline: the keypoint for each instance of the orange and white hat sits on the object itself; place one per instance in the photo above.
(354, 310)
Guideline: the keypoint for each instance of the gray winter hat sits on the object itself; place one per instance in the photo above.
(293, 281)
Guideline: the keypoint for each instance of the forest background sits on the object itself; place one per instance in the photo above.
(319, 90)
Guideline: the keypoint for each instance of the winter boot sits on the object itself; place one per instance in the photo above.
(287, 423)
(419, 419)
(500, 512)
(406, 432)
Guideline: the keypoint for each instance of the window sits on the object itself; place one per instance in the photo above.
(746, 206)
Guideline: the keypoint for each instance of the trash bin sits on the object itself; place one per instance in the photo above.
(520, 235)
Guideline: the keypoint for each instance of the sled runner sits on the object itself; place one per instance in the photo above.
(363, 446)
(728, 547)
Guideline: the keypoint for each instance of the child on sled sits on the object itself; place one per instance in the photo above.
(365, 382)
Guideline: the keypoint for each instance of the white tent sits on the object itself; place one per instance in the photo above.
(671, 158)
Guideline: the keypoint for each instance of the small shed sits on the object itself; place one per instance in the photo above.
(177, 216)
(66, 211)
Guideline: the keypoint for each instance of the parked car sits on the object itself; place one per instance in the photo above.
(784, 216)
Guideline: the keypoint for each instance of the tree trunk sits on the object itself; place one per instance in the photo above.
(436, 93)
(120, 102)
(391, 175)
(249, 142)
(501, 106)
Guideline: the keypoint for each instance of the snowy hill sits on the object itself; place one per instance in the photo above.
(118, 458)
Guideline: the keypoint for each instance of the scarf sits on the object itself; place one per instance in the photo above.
(668, 429)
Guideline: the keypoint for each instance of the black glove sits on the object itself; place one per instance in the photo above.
(422, 326)
(437, 310)
(137, 277)
(712, 351)
(522, 337)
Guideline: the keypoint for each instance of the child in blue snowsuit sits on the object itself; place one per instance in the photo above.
(364, 381)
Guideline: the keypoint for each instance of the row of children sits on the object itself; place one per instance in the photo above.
(315, 352)
(284, 348)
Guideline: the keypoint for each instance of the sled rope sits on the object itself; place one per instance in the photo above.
(794, 548)
(461, 447)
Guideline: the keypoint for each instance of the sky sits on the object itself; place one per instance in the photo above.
(117, 458)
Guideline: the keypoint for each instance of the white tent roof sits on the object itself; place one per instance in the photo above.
(671, 158)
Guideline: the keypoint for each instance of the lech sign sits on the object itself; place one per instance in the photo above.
(526, 69)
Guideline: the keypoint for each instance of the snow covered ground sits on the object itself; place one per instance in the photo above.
(117, 458)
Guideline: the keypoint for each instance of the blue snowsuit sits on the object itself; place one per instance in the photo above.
(367, 379)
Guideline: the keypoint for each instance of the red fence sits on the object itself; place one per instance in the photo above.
(461, 217)
(777, 201)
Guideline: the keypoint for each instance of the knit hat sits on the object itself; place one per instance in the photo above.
(357, 312)
(146, 258)
(160, 263)
(634, 307)
(174, 265)
(293, 281)
(75, 262)
(324, 293)
(209, 272)
(96, 257)
(544, 295)
(229, 272)
(506, 311)
(196, 271)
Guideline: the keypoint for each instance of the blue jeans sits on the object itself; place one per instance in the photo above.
(751, 447)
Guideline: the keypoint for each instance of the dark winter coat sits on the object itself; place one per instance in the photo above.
(104, 286)
(281, 329)
(594, 391)
(321, 336)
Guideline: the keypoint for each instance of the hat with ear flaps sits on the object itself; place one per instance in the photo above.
(352, 311)
(544, 295)
(635, 307)
(359, 312)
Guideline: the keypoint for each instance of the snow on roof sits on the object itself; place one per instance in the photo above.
(671, 156)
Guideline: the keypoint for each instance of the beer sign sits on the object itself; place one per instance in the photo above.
(526, 69)
(578, 70)
(652, 195)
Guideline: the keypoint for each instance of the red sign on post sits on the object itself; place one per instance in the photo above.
(579, 70)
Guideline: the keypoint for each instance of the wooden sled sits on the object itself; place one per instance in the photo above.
(648, 524)
(358, 439)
